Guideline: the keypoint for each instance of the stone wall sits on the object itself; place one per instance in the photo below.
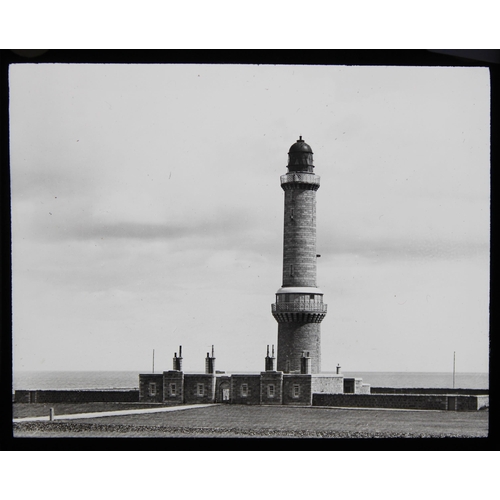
(428, 390)
(245, 389)
(332, 384)
(402, 401)
(222, 382)
(358, 383)
(299, 238)
(76, 396)
(23, 396)
(382, 401)
(297, 389)
(149, 393)
(173, 387)
(270, 396)
(472, 403)
(349, 385)
(483, 402)
(199, 388)
(297, 337)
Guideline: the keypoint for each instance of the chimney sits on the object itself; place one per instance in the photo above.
(178, 360)
(270, 361)
(210, 362)
(305, 363)
(338, 368)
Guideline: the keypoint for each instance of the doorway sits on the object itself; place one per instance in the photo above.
(224, 393)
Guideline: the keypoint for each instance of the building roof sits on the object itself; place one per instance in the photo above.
(300, 147)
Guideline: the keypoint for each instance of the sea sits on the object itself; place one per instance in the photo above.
(31, 380)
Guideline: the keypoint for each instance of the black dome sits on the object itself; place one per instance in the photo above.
(300, 147)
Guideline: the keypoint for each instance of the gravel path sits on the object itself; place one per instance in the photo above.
(66, 429)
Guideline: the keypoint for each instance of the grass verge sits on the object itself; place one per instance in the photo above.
(269, 421)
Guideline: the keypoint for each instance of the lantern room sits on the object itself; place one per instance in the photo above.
(300, 157)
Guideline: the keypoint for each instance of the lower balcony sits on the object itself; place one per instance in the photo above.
(293, 313)
(306, 306)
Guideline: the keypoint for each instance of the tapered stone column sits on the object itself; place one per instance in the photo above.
(299, 307)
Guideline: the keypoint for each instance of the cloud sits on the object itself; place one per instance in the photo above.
(146, 198)
(382, 248)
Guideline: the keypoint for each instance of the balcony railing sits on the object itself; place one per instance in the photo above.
(299, 307)
(300, 177)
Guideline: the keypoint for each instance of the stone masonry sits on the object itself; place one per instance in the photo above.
(299, 307)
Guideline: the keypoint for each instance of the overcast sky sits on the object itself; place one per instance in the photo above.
(147, 213)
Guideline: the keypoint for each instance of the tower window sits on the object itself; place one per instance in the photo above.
(152, 389)
(244, 390)
(201, 389)
(270, 391)
(291, 269)
(173, 390)
(296, 390)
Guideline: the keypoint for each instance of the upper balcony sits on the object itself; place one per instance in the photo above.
(304, 177)
(302, 180)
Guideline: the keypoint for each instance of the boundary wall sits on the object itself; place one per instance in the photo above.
(294, 389)
(427, 390)
(403, 401)
(77, 396)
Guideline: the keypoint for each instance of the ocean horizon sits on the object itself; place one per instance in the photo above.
(60, 380)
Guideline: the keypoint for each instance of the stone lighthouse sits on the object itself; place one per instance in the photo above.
(299, 307)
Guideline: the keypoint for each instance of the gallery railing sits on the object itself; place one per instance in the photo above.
(299, 307)
(300, 177)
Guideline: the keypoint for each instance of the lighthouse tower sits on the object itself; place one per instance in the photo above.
(299, 307)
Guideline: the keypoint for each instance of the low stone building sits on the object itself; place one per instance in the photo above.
(269, 387)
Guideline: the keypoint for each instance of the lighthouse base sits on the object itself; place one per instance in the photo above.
(295, 339)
